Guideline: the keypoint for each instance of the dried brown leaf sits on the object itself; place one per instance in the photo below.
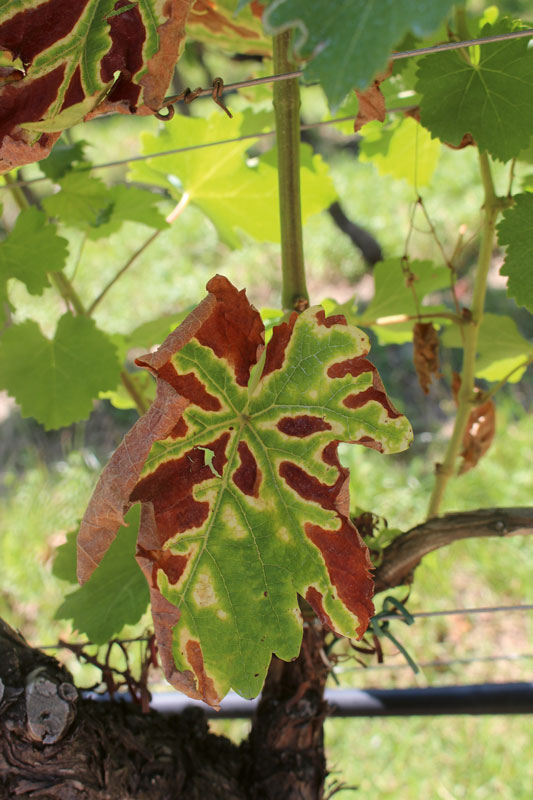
(371, 102)
(479, 434)
(426, 353)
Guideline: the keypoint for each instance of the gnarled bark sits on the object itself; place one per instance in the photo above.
(405, 553)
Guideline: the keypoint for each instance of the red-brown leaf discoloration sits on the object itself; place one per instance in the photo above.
(205, 684)
(275, 352)
(248, 476)
(170, 489)
(234, 331)
(302, 426)
(188, 386)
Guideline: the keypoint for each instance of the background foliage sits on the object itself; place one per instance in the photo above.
(48, 477)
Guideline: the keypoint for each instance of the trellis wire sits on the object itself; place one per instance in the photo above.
(436, 48)
(287, 76)
(445, 613)
(189, 148)
(431, 664)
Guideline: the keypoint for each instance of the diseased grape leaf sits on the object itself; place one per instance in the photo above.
(82, 59)
(55, 380)
(225, 557)
(501, 348)
(117, 593)
(215, 24)
(87, 203)
(29, 252)
(349, 41)
(516, 231)
(393, 296)
(488, 98)
(403, 149)
(235, 195)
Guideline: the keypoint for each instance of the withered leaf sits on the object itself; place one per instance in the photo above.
(371, 102)
(426, 353)
(479, 434)
(244, 502)
(72, 52)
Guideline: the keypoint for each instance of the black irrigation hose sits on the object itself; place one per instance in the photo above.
(478, 699)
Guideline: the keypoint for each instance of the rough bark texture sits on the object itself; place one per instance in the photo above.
(55, 746)
(286, 744)
(401, 558)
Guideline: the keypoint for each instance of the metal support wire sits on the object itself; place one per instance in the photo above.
(287, 76)
(478, 699)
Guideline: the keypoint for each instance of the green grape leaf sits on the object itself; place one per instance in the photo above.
(82, 201)
(488, 96)
(227, 540)
(516, 231)
(501, 348)
(63, 158)
(64, 566)
(393, 296)
(87, 203)
(55, 380)
(403, 149)
(349, 41)
(82, 58)
(29, 252)
(214, 24)
(117, 593)
(129, 204)
(234, 194)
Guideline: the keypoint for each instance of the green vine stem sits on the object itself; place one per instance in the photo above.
(466, 399)
(174, 214)
(287, 111)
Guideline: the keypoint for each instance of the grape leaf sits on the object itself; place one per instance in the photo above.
(516, 231)
(88, 204)
(349, 41)
(64, 566)
(393, 296)
(62, 159)
(488, 97)
(29, 252)
(232, 193)
(117, 593)
(55, 380)
(213, 23)
(501, 348)
(403, 149)
(82, 59)
(226, 556)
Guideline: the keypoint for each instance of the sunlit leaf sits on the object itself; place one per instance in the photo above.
(403, 149)
(236, 194)
(228, 539)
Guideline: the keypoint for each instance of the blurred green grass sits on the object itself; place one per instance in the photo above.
(45, 492)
